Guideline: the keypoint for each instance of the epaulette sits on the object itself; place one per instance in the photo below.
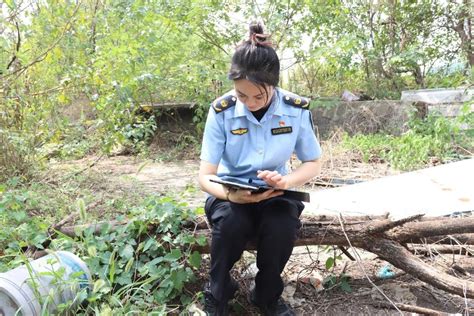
(297, 101)
(224, 103)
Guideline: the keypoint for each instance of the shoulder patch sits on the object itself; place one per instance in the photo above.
(295, 100)
(224, 103)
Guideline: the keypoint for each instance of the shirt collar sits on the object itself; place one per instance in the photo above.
(277, 107)
(240, 109)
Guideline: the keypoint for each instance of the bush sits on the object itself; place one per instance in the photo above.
(432, 138)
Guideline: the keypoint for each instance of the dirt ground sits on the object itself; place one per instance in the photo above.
(367, 292)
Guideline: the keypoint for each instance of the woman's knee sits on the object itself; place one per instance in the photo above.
(281, 225)
(233, 224)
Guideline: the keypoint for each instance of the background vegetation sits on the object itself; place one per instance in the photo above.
(74, 76)
(74, 73)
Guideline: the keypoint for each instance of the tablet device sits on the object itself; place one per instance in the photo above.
(235, 184)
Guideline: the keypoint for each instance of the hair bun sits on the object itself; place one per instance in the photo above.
(256, 28)
(256, 35)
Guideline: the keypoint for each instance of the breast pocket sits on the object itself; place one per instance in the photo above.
(237, 144)
(280, 147)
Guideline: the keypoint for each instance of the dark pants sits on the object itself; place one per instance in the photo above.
(273, 223)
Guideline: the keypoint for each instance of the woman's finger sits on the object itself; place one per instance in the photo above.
(276, 177)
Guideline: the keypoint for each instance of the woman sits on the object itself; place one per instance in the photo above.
(250, 134)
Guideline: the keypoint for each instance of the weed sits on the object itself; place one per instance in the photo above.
(19, 229)
(432, 138)
(144, 263)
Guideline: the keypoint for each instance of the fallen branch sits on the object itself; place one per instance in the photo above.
(439, 227)
(401, 258)
(387, 225)
(429, 249)
(410, 308)
(459, 239)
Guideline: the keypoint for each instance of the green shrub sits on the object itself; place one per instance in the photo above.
(19, 228)
(432, 138)
(145, 263)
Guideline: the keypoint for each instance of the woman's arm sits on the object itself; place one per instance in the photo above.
(208, 171)
(305, 172)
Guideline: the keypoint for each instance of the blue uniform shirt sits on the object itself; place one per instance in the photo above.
(240, 145)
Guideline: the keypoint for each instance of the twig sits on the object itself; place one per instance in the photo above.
(210, 39)
(64, 221)
(387, 226)
(17, 46)
(347, 253)
(35, 94)
(410, 308)
(358, 260)
(92, 164)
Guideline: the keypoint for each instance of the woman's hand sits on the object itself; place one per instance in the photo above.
(246, 196)
(273, 179)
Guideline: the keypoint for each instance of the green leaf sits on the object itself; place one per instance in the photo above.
(201, 240)
(329, 281)
(81, 208)
(19, 216)
(155, 261)
(98, 284)
(127, 252)
(92, 251)
(345, 286)
(149, 243)
(11, 4)
(329, 263)
(174, 255)
(129, 264)
(195, 259)
(112, 267)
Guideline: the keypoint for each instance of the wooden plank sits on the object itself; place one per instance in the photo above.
(436, 191)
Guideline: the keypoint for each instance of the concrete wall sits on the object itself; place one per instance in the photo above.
(388, 116)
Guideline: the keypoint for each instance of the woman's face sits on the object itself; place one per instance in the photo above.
(253, 96)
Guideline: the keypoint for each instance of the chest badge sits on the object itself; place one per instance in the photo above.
(281, 123)
(282, 130)
(239, 131)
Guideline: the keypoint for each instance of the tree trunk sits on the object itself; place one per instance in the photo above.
(463, 27)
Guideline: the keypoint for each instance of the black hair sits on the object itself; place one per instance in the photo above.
(255, 59)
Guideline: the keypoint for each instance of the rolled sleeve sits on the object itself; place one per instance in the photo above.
(213, 142)
(307, 145)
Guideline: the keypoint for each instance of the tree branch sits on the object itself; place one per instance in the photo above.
(17, 46)
(44, 54)
(401, 258)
